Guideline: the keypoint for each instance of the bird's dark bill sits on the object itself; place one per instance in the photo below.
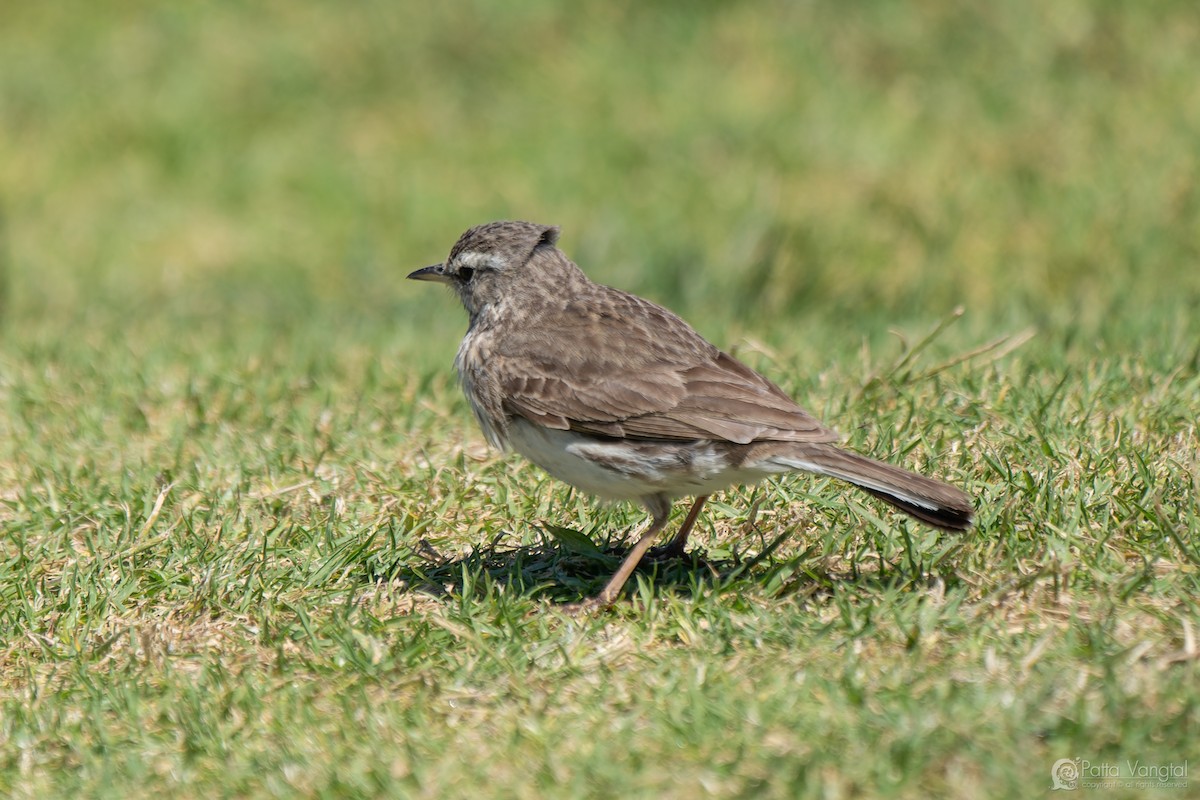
(433, 273)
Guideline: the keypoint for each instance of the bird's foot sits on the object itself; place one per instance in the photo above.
(673, 552)
(586, 608)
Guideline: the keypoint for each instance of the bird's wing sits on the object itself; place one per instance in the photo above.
(627, 367)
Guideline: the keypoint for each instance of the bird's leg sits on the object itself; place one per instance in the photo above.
(675, 547)
(660, 508)
(662, 512)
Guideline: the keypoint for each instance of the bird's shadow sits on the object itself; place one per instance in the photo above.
(562, 574)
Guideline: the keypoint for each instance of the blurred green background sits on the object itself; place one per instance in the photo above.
(245, 515)
(234, 166)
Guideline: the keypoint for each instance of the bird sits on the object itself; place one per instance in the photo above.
(624, 400)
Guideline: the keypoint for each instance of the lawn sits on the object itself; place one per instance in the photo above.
(252, 543)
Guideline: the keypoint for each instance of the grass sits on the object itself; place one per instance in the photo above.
(251, 543)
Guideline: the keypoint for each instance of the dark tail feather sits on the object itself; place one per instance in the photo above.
(948, 519)
(933, 502)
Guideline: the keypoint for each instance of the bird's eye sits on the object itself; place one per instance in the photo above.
(465, 274)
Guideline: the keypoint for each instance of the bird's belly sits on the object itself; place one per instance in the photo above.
(618, 469)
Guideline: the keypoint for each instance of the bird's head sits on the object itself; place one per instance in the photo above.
(493, 262)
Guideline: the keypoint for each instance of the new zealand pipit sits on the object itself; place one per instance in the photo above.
(622, 399)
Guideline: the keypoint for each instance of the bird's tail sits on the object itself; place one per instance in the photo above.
(938, 504)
